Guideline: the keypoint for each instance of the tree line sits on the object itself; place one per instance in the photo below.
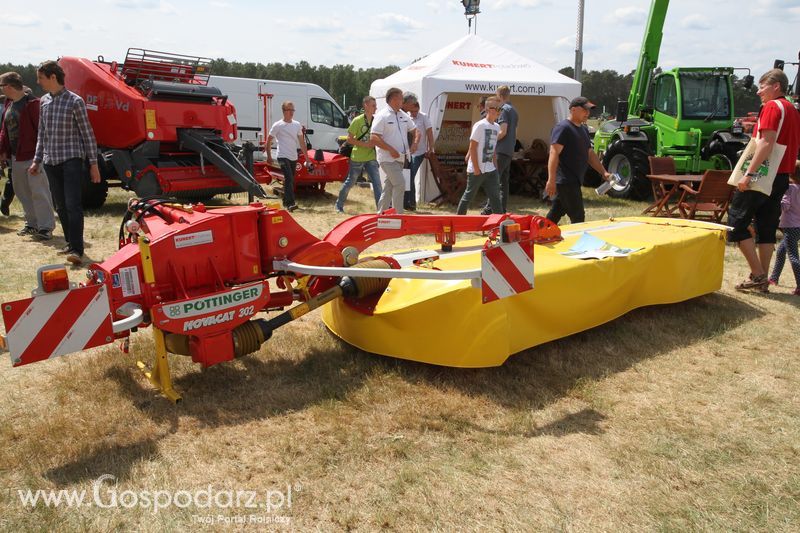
(349, 85)
(27, 72)
(345, 83)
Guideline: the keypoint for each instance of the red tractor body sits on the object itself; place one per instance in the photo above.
(160, 129)
(123, 116)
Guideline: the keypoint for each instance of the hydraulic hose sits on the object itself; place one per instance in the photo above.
(138, 208)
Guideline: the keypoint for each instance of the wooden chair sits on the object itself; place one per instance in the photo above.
(661, 165)
(710, 200)
(451, 183)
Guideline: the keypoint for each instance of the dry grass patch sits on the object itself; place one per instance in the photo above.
(671, 417)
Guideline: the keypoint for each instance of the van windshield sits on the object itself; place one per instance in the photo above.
(326, 112)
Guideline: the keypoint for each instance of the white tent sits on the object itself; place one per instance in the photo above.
(450, 81)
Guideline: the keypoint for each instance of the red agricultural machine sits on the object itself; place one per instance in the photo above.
(162, 130)
(199, 276)
(312, 172)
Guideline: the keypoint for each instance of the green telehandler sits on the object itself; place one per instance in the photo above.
(683, 113)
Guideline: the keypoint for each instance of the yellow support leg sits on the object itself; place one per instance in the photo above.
(160, 376)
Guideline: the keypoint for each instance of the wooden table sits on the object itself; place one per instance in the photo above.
(664, 188)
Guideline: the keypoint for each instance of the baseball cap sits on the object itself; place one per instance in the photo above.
(581, 101)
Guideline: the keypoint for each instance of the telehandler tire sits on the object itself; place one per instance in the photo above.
(629, 161)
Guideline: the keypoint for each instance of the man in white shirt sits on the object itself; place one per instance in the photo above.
(289, 134)
(389, 134)
(424, 147)
(482, 160)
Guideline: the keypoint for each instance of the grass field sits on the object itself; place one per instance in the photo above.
(679, 417)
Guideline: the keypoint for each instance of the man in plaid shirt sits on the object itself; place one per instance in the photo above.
(65, 141)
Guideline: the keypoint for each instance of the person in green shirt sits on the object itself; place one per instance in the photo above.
(363, 155)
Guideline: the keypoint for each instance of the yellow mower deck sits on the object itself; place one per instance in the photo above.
(445, 323)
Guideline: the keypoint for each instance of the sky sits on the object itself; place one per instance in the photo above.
(380, 33)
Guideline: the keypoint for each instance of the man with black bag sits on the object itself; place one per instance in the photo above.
(362, 154)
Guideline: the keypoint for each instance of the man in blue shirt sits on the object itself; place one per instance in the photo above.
(570, 155)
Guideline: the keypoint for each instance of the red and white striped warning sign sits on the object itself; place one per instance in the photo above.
(57, 323)
(506, 269)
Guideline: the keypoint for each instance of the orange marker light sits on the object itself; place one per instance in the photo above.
(511, 233)
(55, 280)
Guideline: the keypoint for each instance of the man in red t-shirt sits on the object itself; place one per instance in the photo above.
(750, 206)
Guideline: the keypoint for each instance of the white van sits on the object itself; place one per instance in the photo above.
(315, 109)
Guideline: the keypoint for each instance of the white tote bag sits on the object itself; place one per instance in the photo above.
(768, 169)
